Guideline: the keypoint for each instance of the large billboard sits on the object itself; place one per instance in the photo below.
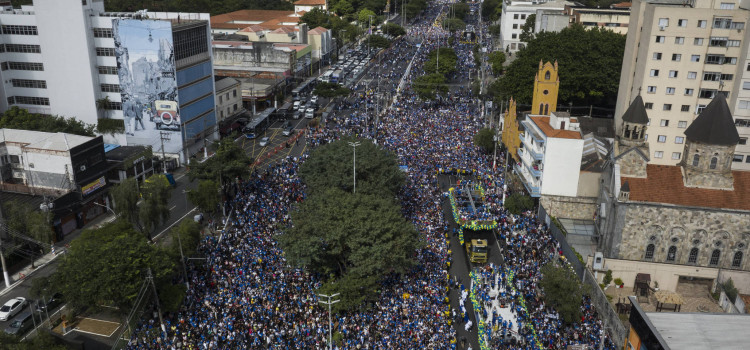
(148, 85)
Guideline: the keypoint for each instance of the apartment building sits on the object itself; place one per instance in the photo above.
(678, 56)
(514, 16)
(151, 70)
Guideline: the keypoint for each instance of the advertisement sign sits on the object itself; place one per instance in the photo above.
(145, 65)
(97, 184)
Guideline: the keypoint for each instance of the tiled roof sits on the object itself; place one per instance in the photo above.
(310, 2)
(664, 185)
(283, 30)
(543, 124)
(317, 30)
(252, 29)
(249, 15)
(621, 5)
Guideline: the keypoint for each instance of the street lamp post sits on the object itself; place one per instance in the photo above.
(354, 146)
(329, 302)
(106, 207)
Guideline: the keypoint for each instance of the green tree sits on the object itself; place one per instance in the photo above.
(207, 197)
(494, 30)
(331, 166)
(428, 85)
(445, 65)
(316, 17)
(517, 203)
(19, 118)
(344, 8)
(562, 291)
(42, 340)
(378, 41)
(41, 287)
(126, 195)
(337, 232)
(497, 59)
(414, 7)
(589, 63)
(154, 210)
(107, 266)
(484, 138)
(460, 10)
(355, 290)
(393, 29)
(229, 162)
(453, 25)
(363, 17)
(330, 90)
(491, 10)
(189, 233)
(103, 104)
(527, 29)
(23, 219)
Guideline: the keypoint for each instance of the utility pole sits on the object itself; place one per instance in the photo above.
(329, 303)
(354, 146)
(150, 279)
(6, 277)
(184, 269)
(164, 137)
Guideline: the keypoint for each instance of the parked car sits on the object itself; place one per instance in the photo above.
(296, 105)
(288, 130)
(50, 303)
(11, 308)
(297, 115)
(264, 141)
(21, 324)
(314, 100)
(310, 113)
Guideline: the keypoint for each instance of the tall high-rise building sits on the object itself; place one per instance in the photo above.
(679, 54)
(151, 70)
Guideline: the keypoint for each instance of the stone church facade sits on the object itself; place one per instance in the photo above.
(696, 213)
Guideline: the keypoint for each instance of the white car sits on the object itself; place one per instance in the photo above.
(264, 141)
(314, 99)
(310, 113)
(11, 308)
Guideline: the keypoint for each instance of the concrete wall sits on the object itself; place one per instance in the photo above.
(588, 184)
(563, 157)
(609, 316)
(569, 207)
(260, 55)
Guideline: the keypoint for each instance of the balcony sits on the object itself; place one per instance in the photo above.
(534, 151)
(532, 165)
(529, 182)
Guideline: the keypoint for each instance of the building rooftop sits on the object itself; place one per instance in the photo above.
(636, 113)
(310, 2)
(600, 127)
(222, 83)
(543, 124)
(688, 331)
(715, 125)
(122, 153)
(664, 184)
(244, 18)
(53, 141)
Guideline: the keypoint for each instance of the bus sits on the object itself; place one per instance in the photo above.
(303, 88)
(326, 77)
(337, 77)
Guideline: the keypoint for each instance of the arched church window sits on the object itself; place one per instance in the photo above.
(546, 76)
(737, 260)
(715, 255)
(714, 160)
(627, 131)
(546, 108)
(671, 254)
(650, 252)
(693, 256)
(696, 158)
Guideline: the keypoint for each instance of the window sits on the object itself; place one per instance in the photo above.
(699, 108)
(722, 23)
(654, 73)
(711, 76)
(746, 85)
(714, 59)
(514, 36)
(102, 32)
(682, 124)
(664, 122)
(707, 93)
(663, 22)
(661, 138)
(726, 6)
(727, 77)
(27, 100)
(670, 91)
(738, 158)
(733, 43)
(650, 252)
(673, 74)
(515, 25)
(110, 87)
(515, 16)
(692, 75)
(729, 60)
(671, 253)
(676, 155)
(523, 16)
(689, 92)
(718, 41)
(743, 141)
(234, 93)
(105, 51)
(190, 42)
(685, 108)
(667, 107)
(695, 58)
(679, 140)
(221, 99)
(21, 66)
(737, 260)
(107, 70)
(737, 25)
(693, 256)
(19, 30)
(715, 257)
(679, 40)
(660, 39)
(651, 89)
(659, 154)
(682, 23)
(21, 48)
(701, 23)
(696, 159)
(714, 160)
(24, 83)
(676, 57)
(698, 41)
(649, 105)
(656, 56)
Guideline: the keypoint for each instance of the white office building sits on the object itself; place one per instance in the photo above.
(151, 70)
(514, 16)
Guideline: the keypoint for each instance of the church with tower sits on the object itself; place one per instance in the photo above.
(694, 213)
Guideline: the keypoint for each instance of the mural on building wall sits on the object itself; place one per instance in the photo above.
(148, 86)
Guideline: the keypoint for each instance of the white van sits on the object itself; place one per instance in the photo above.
(296, 105)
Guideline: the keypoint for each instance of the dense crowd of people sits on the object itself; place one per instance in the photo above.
(247, 296)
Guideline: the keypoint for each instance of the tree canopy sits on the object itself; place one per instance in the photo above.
(26, 220)
(491, 10)
(517, 203)
(453, 24)
(460, 9)
(527, 29)
(485, 139)
(378, 41)
(154, 210)
(229, 162)
(414, 7)
(497, 59)
(562, 291)
(446, 64)
(107, 266)
(428, 85)
(330, 90)
(589, 66)
(207, 197)
(393, 29)
(19, 118)
(330, 166)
